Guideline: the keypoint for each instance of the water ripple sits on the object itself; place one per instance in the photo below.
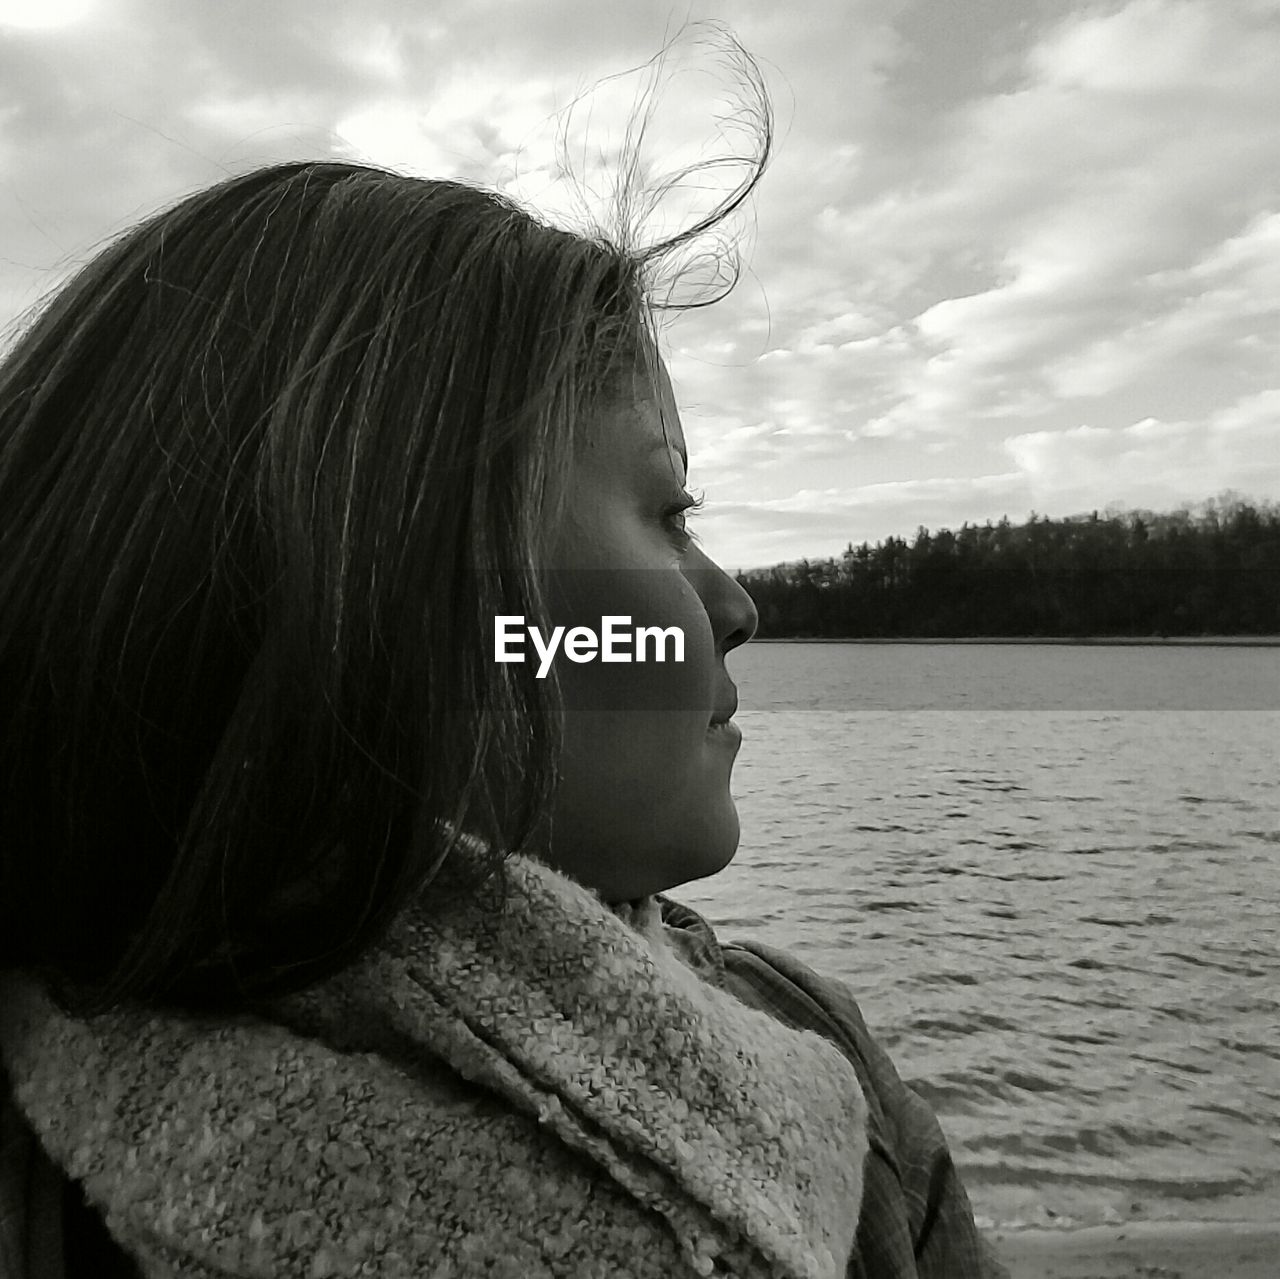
(1070, 944)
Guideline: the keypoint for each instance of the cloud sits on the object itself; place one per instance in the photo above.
(1227, 301)
(1186, 47)
(1154, 463)
(476, 126)
(1087, 196)
(42, 15)
(979, 232)
(789, 528)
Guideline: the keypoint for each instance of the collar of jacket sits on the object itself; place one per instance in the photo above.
(745, 1138)
(693, 939)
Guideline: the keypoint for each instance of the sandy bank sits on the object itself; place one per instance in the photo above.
(1143, 1250)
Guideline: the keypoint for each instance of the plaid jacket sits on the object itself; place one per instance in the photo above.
(915, 1222)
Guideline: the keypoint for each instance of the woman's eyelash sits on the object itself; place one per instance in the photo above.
(674, 518)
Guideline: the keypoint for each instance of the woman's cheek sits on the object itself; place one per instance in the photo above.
(649, 645)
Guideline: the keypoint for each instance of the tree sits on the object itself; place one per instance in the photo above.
(1130, 573)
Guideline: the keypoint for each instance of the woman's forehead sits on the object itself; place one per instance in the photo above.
(643, 416)
(655, 401)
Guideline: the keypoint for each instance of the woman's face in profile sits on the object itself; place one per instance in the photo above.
(643, 802)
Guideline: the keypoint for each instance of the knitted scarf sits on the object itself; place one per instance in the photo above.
(544, 1091)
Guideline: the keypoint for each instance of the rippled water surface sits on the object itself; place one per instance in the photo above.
(1064, 924)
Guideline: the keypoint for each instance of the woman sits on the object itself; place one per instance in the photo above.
(331, 944)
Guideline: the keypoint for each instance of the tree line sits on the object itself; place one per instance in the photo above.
(1209, 570)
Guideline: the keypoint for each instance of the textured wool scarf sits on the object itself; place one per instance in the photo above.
(547, 1090)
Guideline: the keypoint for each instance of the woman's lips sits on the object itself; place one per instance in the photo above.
(726, 732)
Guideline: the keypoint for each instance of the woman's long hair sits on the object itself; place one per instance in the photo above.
(269, 466)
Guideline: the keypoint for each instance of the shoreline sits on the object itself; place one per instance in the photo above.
(1170, 1250)
(1172, 641)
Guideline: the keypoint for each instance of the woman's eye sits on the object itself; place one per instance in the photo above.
(675, 519)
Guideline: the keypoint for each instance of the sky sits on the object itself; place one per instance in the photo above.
(1008, 256)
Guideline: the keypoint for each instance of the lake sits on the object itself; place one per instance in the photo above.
(1051, 875)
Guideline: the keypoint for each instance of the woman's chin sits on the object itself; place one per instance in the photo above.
(715, 850)
(681, 846)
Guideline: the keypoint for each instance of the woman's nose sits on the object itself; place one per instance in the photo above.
(732, 611)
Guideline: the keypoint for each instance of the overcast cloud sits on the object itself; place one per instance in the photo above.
(1011, 255)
